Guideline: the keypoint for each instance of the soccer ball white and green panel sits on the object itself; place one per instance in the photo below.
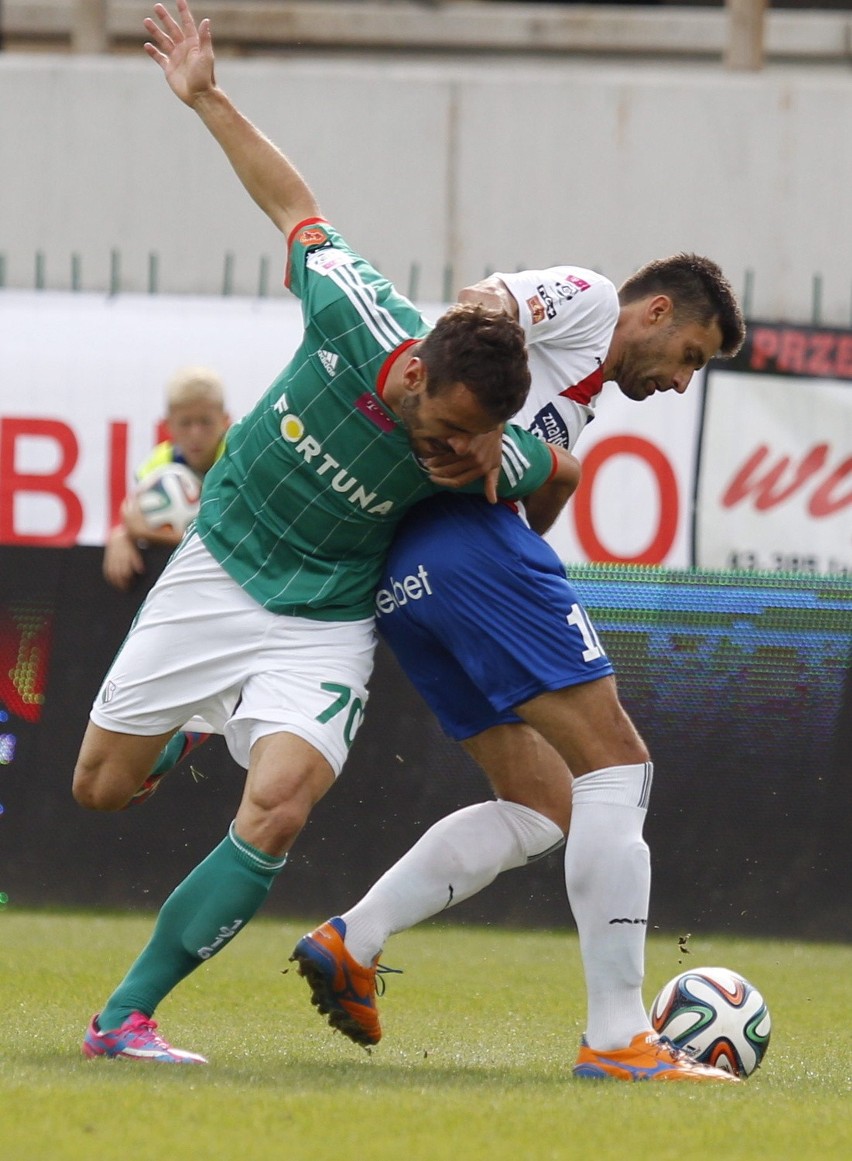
(717, 1015)
(169, 497)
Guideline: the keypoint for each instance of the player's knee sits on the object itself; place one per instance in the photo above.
(536, 834)
(272, 825)
(93, 788)
(287, 777)
(555, 809)
(556, 804)
(552, 799)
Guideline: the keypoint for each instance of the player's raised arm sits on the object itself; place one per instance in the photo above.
(184, 52)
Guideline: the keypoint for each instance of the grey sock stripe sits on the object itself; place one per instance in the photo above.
(645, 794)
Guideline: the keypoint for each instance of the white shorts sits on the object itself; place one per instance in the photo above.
(201, 648)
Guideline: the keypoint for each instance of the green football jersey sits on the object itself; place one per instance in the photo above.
(302, 506)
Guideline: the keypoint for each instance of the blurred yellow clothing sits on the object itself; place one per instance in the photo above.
(167, 453)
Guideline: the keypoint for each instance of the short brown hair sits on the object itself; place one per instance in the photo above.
(484, 350)
(699, 291)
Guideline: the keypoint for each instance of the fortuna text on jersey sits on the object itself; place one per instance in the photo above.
(292, 428)
(310, 449)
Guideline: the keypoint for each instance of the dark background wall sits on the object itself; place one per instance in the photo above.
(741, 685)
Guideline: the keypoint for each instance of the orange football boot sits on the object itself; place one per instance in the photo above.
(647, 1057)
(341, 988)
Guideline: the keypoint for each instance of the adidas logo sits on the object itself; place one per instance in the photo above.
(329, 361)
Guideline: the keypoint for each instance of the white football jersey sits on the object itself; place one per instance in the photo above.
(568, 315)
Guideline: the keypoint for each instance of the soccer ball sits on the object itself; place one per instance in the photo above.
(169, 497)
(716, 1014)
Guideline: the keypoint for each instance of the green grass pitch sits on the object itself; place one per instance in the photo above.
(480, 1035)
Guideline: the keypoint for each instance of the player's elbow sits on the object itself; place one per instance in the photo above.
(544, 506)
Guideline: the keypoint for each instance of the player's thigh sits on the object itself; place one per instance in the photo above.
(113, 765)
(522, 767)
(587, 725)
(105, 747)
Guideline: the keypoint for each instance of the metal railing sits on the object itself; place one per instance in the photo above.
(262, 283)
(742, 33)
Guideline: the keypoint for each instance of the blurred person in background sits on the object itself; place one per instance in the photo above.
(196, 422)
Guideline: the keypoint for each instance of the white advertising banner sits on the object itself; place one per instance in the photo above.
(769, 457)
(774, 488)
(634, 503)
(82, 385)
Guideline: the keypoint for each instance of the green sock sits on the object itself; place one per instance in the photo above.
(198, 919)
(169, 754)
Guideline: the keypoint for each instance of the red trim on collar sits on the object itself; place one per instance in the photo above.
(382, 378)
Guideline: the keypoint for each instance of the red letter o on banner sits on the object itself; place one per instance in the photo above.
(643, 449)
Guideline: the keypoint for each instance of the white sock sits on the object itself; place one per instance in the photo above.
(608, 878)
(454, 859)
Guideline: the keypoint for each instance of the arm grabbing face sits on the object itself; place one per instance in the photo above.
(481, 458)
(492, 294)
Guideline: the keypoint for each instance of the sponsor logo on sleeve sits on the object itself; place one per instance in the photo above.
(313, 236)
(327, 259)
(561, 291)
(547, 300)
(549, 425)
(572, 284)
(536, 309)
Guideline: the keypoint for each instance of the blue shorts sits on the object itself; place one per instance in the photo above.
(480, 614)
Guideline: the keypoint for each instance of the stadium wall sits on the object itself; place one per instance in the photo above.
(742, 685)
(437, 170)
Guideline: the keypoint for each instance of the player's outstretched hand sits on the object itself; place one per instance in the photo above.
(183, 51)
(492, 293)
